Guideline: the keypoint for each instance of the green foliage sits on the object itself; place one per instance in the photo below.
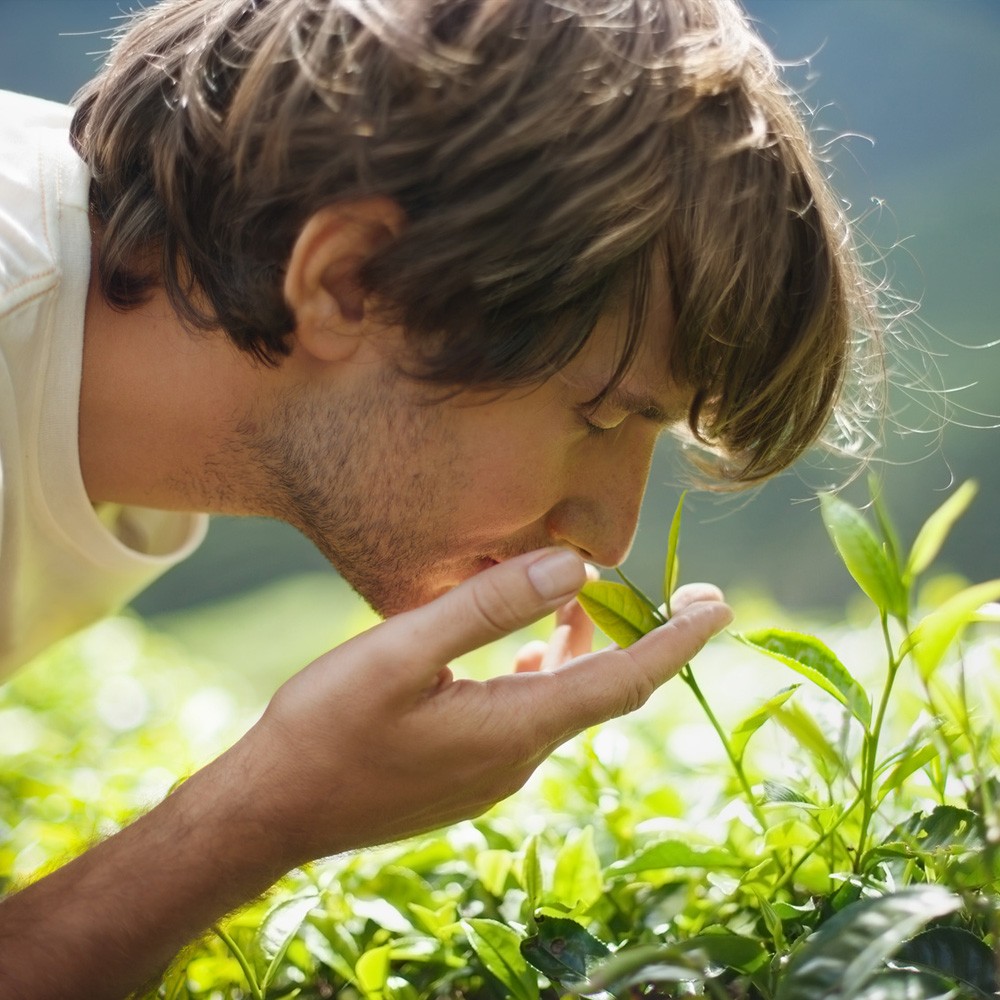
(740, 837)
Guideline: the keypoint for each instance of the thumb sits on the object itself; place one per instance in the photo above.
(490, 605)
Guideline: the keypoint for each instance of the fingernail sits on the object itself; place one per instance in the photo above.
(559, 574)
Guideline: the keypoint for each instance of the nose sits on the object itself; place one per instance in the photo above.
(600, 512)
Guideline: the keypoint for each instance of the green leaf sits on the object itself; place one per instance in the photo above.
(439, 923)
(935, 530)
(372, 971)
(905, 984)
(945, 827)
(529, 873)
(278, 930)
(892, 547)
(617, 611)
(809, 735)
(808, 656)
(851, 947)
(499, 949)
(578, 880)
(670, 567)
(955, 954)
(913, 761)
(563, 950)
(930, 640)
(774, 791)
(863, 555)
(733, 951)
(651, 963)
(675, 854)
(744, 730)
(493, 867)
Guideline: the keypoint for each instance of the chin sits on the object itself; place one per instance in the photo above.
(407, 594)
(394, 601)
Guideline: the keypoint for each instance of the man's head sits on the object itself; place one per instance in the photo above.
(546, 159)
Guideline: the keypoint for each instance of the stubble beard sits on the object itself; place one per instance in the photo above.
(347, 472)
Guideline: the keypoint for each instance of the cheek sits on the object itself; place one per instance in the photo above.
(515, 483)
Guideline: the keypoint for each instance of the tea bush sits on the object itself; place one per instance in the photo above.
(803, 818)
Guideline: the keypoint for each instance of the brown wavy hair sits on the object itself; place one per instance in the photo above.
(547, 154)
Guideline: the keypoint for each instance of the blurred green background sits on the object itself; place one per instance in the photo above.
(912, 83)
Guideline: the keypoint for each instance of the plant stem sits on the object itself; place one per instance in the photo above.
(688, 677)
(869, 754)
(790, 872)
(234, 950)
(657, 613)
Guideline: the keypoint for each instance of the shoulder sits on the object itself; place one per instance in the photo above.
(43, 195)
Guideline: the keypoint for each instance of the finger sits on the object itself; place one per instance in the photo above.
(691, 592)
(573, 636)
(614, 682)
(492, 604)
(581, 628)
(557, 649)
(530, 657)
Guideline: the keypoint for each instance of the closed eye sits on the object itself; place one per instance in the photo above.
(596, 428)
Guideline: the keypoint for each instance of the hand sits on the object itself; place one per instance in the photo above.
(372, 741)
(377, 740)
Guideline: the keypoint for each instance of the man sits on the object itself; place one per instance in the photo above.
(426, 279)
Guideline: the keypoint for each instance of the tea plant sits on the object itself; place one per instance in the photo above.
(836, 840)
(892, 884)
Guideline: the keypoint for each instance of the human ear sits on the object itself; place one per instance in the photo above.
(322, 285)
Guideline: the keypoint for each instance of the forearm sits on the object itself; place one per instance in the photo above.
(116, 916)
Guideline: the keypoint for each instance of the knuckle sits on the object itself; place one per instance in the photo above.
(637, 685)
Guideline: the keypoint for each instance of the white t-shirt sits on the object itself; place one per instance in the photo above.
(62, 563)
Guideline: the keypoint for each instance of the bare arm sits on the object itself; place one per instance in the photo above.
(371, 742)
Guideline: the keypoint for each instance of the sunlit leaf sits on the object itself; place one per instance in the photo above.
(675, 854)
(439, 923)
(578, 878)
(372, 971)
(499, 949)
(853, 945)
(775, 791)
(808, 734)
(813, 659)
(744, 730)
(208, 972)
(332, 946)
(279, 928)
(956, 954)
(863, 555)
(670, 566)
(563, 950)
(493, 867)
(529, 873)
(912, 762)
(885, 525)
(930, 640)
(621, 615)
(935, 529)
